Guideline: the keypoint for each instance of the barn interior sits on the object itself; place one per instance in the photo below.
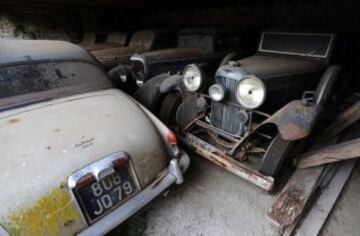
(205, 205)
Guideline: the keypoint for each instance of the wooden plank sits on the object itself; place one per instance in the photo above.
(291, 202)
(318, 214)
(293, 199)
(342, 121)
(334, 153)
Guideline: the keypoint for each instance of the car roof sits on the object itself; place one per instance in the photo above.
(15, 51)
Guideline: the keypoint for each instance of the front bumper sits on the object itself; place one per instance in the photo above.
(220, 158)
(174, 174)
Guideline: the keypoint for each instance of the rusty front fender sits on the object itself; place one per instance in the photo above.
(295, 120)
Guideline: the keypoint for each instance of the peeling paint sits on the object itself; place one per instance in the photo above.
(46, 217)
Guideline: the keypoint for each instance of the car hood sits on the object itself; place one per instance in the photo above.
(272, 66)
(45, 143)
(170, 54)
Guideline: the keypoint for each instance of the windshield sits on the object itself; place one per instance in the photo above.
(47, 80)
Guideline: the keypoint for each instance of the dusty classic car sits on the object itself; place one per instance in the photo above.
(249, 115)
(197, 45)
(141, 41)
(78, 156)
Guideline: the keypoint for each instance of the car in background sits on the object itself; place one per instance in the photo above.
(96, 41)
(141, 41)
(194, 45)
(78, 157)
(247, 116)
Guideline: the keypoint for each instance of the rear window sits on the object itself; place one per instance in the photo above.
(205, 42)
(50, 79)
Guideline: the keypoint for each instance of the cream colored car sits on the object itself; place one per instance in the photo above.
(77, 156)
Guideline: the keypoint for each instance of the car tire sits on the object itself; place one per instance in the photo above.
(169, 108)
(275, 156)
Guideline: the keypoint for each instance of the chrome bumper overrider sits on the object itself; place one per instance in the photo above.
(174, 175)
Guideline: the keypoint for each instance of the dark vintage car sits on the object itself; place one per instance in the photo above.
(196, 45)
(248, 117)
(141, 41)
(78, 156)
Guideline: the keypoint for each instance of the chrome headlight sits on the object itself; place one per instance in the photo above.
(251, 92)
(217, 92)
(192, 77)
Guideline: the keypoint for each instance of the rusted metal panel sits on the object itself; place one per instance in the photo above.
(334, 153)
(221, 159)
(295, 120)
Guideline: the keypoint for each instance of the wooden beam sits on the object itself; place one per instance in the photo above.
(318, 214)
(292, 200)
(343, 121)
(334, 153)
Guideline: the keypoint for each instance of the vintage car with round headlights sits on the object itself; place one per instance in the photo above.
(249, 114)
(194, 45)
(78, 157)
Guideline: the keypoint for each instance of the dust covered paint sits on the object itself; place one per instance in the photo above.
(47, 216)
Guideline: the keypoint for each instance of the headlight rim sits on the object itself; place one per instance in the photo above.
(201, 73)
(223, 90)
(264, 91)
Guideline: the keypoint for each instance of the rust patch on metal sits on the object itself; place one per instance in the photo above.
(287, 207)
(294, 121)
(216, 156)
(14, 121)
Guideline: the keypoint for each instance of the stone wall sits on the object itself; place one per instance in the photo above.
(34, 23)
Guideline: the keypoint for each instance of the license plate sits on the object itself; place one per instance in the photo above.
(99, 198)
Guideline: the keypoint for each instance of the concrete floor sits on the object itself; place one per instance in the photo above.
(345, 218)
(213, 201)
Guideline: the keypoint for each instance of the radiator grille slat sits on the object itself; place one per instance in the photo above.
(225, 116)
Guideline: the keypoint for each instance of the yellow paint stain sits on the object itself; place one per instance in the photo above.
(46, 217)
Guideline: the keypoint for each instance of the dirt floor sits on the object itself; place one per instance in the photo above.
(215, 202)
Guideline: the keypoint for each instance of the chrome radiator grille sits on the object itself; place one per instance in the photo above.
(225, 116)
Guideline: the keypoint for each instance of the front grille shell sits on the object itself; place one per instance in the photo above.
(225, 115)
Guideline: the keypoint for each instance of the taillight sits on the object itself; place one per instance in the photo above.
(87, 179)
(172, 141)
(171, 137)
(121, 163)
